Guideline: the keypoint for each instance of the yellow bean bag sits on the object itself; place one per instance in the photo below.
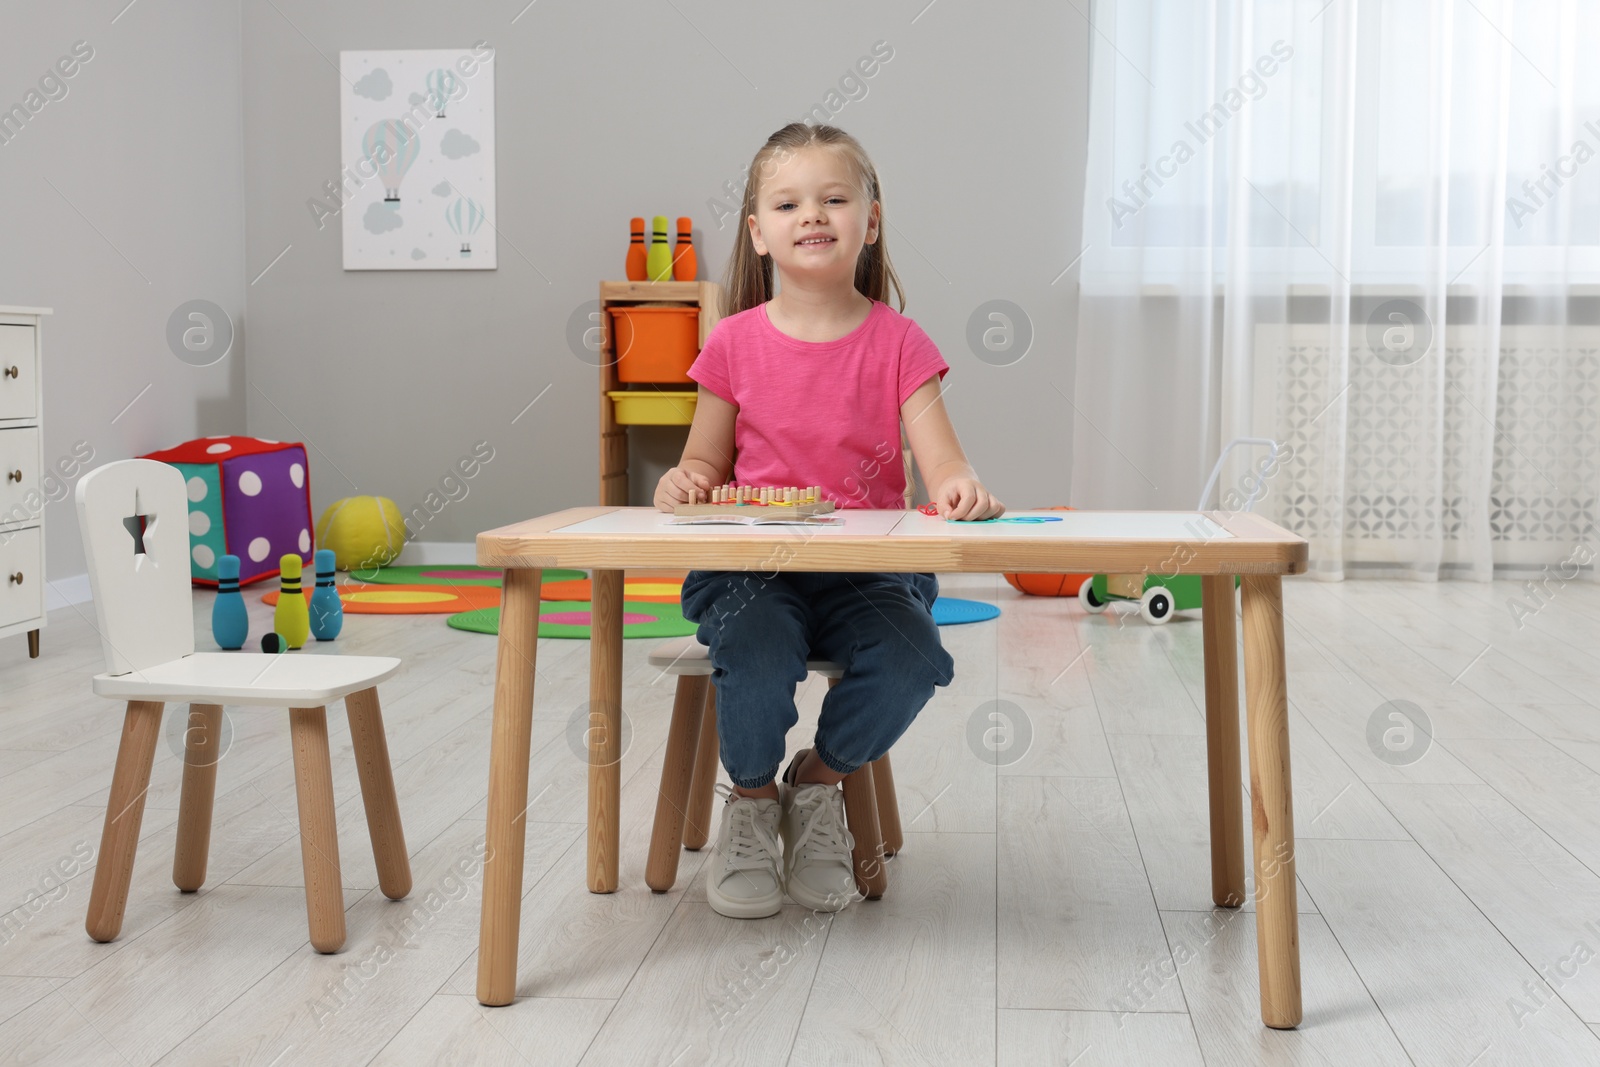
(363, 531)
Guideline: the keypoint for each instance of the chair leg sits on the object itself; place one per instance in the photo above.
(202, 749)
(124, 812)
(319, 835)
(888, 806)
(377, 793)
(683, 742)
(703, 789)
(861, 815)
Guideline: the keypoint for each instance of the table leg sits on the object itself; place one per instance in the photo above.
(605, 728)
(1222, 739)
(1271, 804)
(506, 832)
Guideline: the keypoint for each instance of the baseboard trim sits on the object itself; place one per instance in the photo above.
(431, 553)
(64, 592)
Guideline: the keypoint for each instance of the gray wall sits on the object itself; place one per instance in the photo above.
(124, 199)
(607, 110)
(192, 140)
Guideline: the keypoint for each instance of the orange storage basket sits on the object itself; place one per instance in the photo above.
(655, 344)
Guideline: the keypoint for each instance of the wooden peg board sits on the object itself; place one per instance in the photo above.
(797, 500)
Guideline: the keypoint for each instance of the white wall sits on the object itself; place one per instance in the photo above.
(123, 199)
(611, 109)
(189, 145)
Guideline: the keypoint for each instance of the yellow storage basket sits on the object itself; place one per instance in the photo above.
(648, 408)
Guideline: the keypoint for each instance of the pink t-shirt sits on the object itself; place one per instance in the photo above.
(820, 412)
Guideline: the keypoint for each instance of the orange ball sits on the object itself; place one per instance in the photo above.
(1048, 584)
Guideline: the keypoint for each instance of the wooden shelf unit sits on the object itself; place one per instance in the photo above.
(707, 296)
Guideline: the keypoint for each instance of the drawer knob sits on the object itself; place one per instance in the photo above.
(16, 579)
(13, 476)
(11, 372)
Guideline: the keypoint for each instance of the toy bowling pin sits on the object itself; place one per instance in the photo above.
(658, 261)
(684, 266)
(636, 249)
(327, 614)
(230, 622)
(292, 620)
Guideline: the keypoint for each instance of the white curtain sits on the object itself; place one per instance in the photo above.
(1367, 229)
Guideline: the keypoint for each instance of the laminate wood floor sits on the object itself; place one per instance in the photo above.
(1052, 903)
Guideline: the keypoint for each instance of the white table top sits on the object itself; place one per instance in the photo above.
(1113, 542)
(1058, 525)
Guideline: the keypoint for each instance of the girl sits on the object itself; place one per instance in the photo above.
(808, 386)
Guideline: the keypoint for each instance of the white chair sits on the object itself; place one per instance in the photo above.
(689, 775)
(134, 518)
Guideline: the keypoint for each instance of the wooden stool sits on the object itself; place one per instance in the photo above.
(683, 807)
(133, 515)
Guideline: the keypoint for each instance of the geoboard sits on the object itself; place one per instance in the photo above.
(746, 501)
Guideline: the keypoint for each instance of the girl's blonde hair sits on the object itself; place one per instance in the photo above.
(748, 280)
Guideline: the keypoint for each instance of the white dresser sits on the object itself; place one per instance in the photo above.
(22, 492)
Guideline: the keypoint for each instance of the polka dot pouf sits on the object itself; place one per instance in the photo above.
(248, 497)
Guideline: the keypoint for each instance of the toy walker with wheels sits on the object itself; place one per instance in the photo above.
(1160, 595)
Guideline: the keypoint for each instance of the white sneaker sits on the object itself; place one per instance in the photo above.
(743, 881)
(818, 870)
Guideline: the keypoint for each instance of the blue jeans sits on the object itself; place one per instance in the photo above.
(761, 629)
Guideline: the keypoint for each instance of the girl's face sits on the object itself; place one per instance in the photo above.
(811, 217)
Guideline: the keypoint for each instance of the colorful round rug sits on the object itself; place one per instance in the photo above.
(953, 611)
(407, 599)
(448, 574)
(654, 590)
(570, 619)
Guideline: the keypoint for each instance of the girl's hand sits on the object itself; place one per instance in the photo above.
(966, 498)
(681, 486)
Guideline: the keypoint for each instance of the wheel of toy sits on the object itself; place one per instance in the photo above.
(1091, 603)
(1156, 604)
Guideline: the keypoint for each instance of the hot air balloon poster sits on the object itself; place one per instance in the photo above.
(416, 191)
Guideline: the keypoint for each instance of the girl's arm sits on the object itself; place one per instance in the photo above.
(952, 483)
(707, 457)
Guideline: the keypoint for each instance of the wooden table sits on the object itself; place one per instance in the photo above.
(609, 540)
